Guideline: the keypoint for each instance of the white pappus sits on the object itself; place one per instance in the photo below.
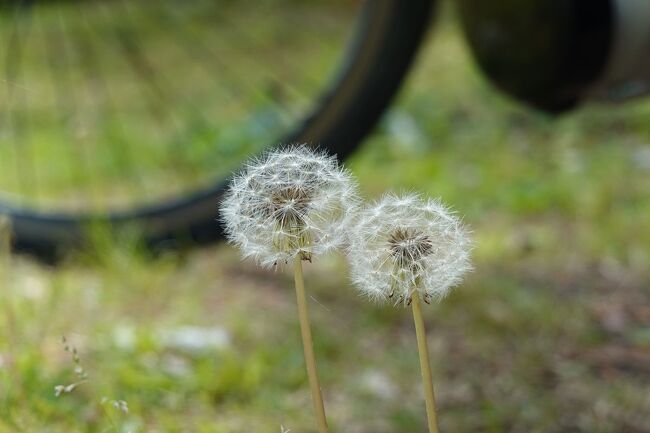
(290, 202)
(404, 245)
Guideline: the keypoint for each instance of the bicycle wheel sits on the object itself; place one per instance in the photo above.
(134, 113)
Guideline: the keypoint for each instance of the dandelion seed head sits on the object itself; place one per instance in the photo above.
(404, 245)
(288, 203)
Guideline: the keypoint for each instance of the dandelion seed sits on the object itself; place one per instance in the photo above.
(403, 245)
(290, 203)
(408, 249)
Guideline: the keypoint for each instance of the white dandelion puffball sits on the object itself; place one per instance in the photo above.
(291, 202)
(403, 245)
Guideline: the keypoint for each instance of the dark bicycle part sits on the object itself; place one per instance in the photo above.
(554, 54)
(387, 37)
(547, 53)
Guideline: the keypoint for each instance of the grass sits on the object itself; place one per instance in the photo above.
(549, 334)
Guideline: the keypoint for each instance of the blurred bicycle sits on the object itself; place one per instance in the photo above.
(132, 114)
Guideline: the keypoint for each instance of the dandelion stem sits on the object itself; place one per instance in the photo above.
(308, 347)
(424, 363)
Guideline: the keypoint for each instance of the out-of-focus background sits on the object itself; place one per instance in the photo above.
(550, 333)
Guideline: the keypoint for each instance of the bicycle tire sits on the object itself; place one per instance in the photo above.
(387, 37)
